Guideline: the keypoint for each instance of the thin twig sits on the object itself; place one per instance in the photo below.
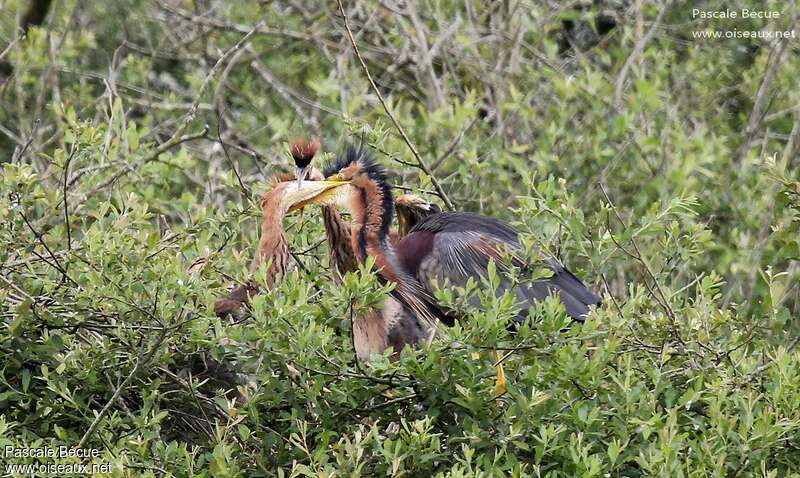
(139, 361)
(283, 91)
(636, 53)
(640, 258)
(56, 263)
(10, 46)
(66, 205)
(244, 189)
(420, 162)
(196, 104)
(18, 153)
(454, 144)
(260, 29)
(757, 113)
(164, 147)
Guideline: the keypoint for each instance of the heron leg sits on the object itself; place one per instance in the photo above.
(500, 384)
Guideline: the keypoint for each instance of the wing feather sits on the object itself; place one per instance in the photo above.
(461, 245)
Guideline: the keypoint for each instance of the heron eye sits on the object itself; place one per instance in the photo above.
(335, 177)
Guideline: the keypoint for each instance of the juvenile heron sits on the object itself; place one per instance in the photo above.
(273, 248)
(303, 151)
(446, 247)
(392, 326)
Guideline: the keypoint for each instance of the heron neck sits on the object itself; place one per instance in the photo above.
(369, 230)
(339, 245)
(273, 246)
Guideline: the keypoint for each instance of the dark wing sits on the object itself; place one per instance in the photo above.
(454, 246)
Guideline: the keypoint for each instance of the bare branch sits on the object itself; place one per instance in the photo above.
(661, 297)
(397, 125)
(222, 59)
(757, 113)
(636, 53)
(142, 359)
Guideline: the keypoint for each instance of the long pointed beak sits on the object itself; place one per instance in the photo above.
(302, 173)
(311, 192)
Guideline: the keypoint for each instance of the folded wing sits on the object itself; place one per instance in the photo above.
(451, 247)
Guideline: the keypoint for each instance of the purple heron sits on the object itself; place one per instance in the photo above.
(445, 247)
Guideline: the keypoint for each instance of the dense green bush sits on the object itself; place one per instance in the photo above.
(136, 141)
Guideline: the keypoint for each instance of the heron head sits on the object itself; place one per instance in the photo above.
(303, 151)
(353, 180)
(323, 193)
(411, 209)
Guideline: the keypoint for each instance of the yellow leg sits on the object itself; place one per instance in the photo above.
(500, 384)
